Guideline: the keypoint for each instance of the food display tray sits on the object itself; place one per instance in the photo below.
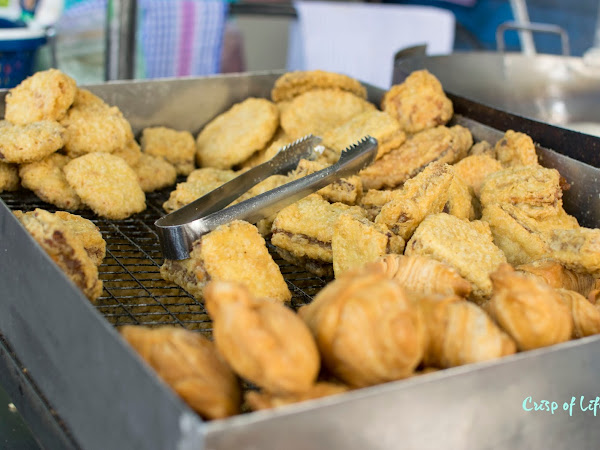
(79, 385)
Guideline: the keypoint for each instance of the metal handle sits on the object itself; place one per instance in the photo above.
(535, 27)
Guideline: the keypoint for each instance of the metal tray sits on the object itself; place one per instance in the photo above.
(79, 385)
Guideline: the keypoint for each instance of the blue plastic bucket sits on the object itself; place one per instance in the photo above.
(18, 47)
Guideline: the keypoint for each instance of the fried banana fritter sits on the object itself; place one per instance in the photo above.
(577, 249)
(461, 245)
(586, 317)
(154, 172)
(235, 135)
(343, 190)
(47, 179)
(516, 149)
(474, 169)
(46, 95)
(234, 252)
(22, 144)
(265, 400)
(177, 147)
(106, 184)
(88, 233)
(321, 110)
(263, 341)
(446, 145)
(9, 177)
(418, 103)
(559, 277)
(191, 365)
(292, 84)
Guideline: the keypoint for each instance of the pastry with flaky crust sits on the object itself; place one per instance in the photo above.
(265, 400)
(368, 329)
(191, 365)
(586, 317)
(530, 311)
(263, 341)
(559, 277)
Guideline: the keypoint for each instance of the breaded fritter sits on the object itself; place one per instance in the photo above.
(482, 148)
(177, 147)
(373, 200)
(131, 153)
(474, 169)
(277, 142)
(88, 233)
(9, 177)
(293, 84)
(22, 144)
(577, 249)
(344, 190)
(516, 149)
(460, 201)
(154, 172)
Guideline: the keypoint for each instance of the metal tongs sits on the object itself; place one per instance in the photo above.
(178, 230)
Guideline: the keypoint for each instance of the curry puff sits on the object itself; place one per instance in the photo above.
(559, 277)
(234, 252)
(264, 400)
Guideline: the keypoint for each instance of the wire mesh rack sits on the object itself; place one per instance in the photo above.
(134, 291)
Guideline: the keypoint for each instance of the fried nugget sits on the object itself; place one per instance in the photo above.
(516, 149)
(154, 172)
(482, 148)
(46, 95)
(586, 317)
(418, 103)
(191, 365)
(22, 144)
(93, 126)
(446, 145)
(474, 169)
(131, 153)
(558, 276)
(88, 233)
(234, 252)
(344, 190)
(177, 147)
(577, 249)
(277, 142)
(65, 248)
(265, 400)
(233, 136)
(9, 177)
(460, 201)
(106, 184)
(265, 342)
(461, 245)
(47, 179)
(292, 84)
(320, 110)
(357, 241)
(198, 183)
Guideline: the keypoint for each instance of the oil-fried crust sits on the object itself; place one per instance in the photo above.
(177, 147)
(292, 84)
(31, 142)
(474, 169)
(559, 277)
(88, 233)
(131, 153)
(344, 190)
(418, 103)
(265, 400)
(154, 172)
(516, 149)
(106, 184)
(586, 317)
(577, 249)
(373, 200)
(9, 177)
(482, 148)
(278, 141)
(446, 145)
(233, 136)
(460, 200)
(46, 95)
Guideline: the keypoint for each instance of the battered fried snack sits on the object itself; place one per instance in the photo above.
(344, 190)
(191, 365)
(177, 147)
(357, 241)
(46, 95)
(586, 317)
(530, 311)
(367, 328)
(154, 172)
(88, 233)
(418, 103)
(577, 249)
(198, 183)
(234, 252)
(459, 332)
(446, 145)
(426, 193)
(463, 246)
(65, 248)
(460, 200)
(263, 341)
(373, 200)
(320, 110)
(9, 177)
(278, 141)
(474, 169)
(482, 148)
(533, 189)
(93, 126)
(559, 277)
(233, 136)
(424, 275)
(292, 84)
(47, 179)
(131, 153)
(264, 400)
(516, 149)
(106, 184)
(31, 142)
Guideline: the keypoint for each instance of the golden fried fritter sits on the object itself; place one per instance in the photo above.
(234, 252)
(343, 190)
(418, 103)
(320, 110)
(233, 136)
(516, 149)
(31, 142)
(482, 148)
(461, 245)
(276, 143)
(65, 248)
(263, 341)
(46, 95)
(131, 153)
(474, 169)
(88, 233)
(446, 145)
(577, 249)
(191, 365)
(293, 84)
(106, 184)
(559, 277)
(9, 177)
(177, 147)
(460, 200)
(264, 400)
(586, 317)
(47, 179)
(530, 311)
(373, 200)
(367, 328)
(154, 172)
